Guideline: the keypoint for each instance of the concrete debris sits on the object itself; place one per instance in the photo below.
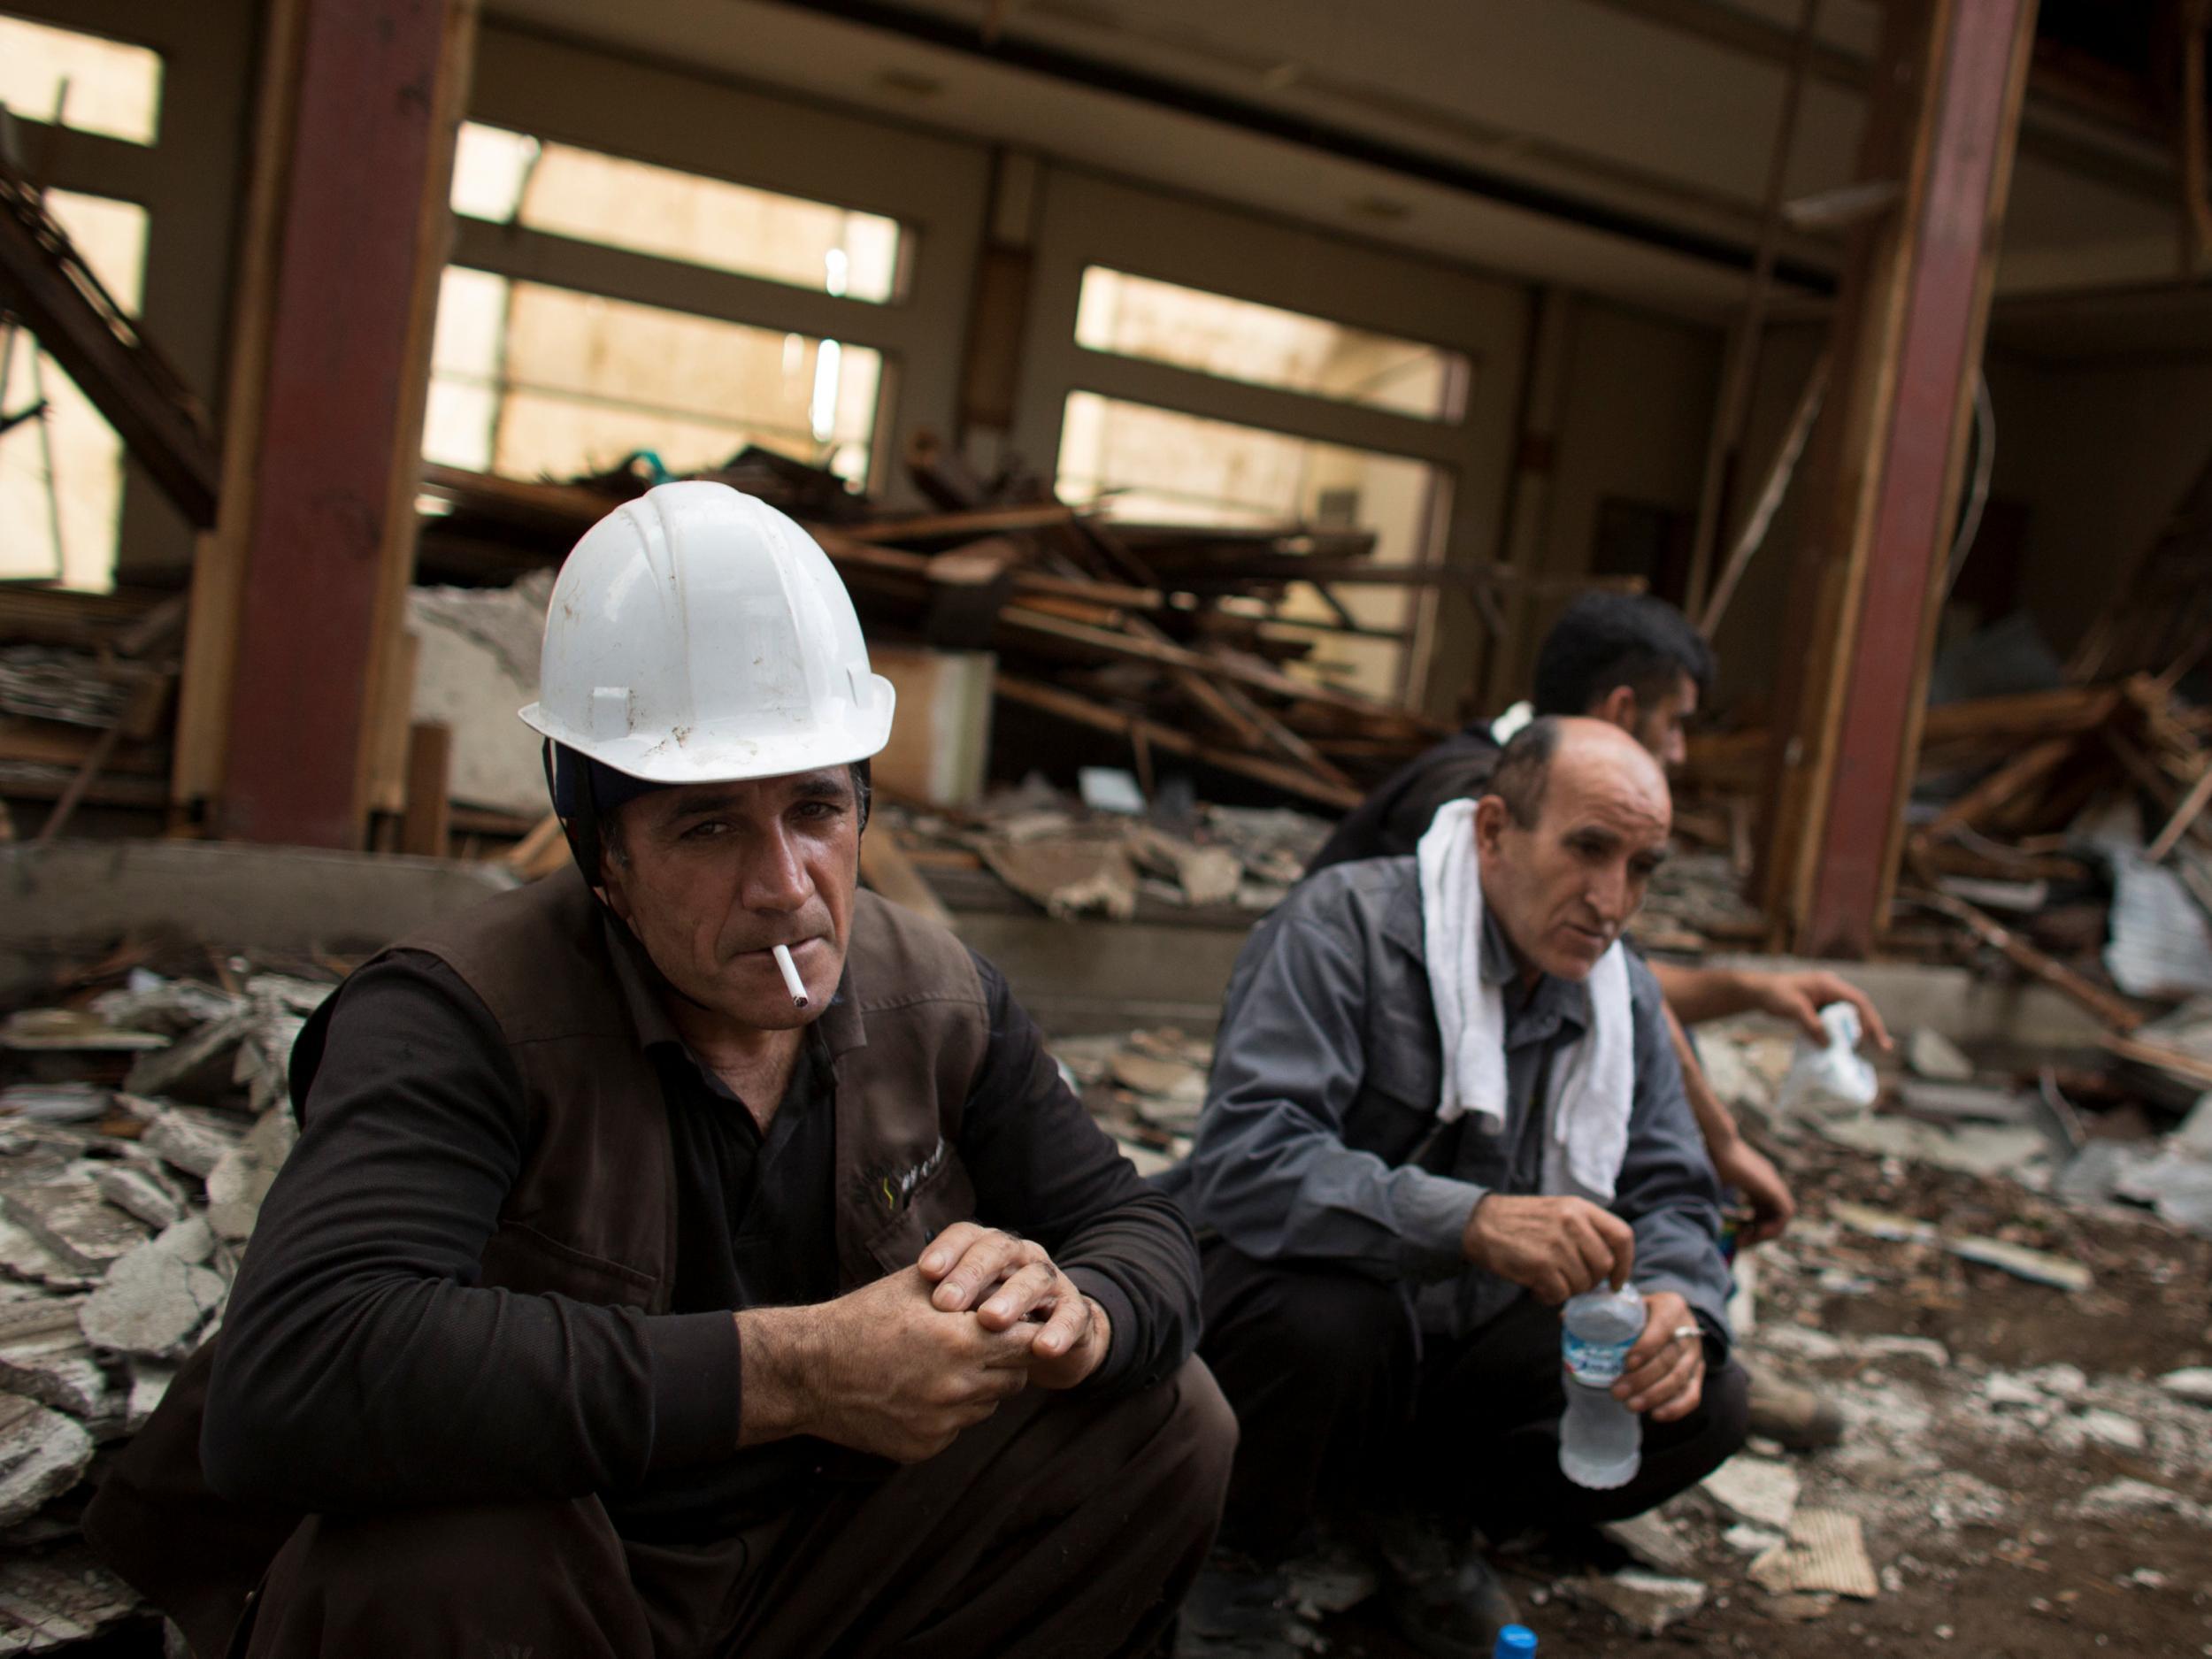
(1647, 1603)
(1207, 875)
(1882, 1224)
(2193, 1385)
(1934, 1056)
(1168, 1080)
(2176, 1183)
(1963, 1103)
(142, 1193)
(1969, 1150)
(2127, 1500)
(68, 1216)
(42, 1454)
(150, 1002)
(235, 1187)
(1825, 1555)
(149, 1382)
(153, 1304)
(1747, 1540)
(1756, 1489)
(2037, 1267)
(44, 1355)
(2110, 1428)
(49, 1600)
(1650, 1540)
(199, 1067)
(56, 1102)
(2006, 1392)
(66, 1030)
(193, 1142)
(23, 1257)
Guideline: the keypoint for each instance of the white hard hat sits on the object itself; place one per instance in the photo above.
(697, 635)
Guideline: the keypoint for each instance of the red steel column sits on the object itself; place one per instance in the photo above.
(332, 534)
(1982, 65)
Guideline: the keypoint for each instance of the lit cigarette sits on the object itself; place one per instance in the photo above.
(792, 982)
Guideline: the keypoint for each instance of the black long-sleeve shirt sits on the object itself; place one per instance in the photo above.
(362, 1367)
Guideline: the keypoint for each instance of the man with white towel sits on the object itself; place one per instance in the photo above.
(1444, 1100)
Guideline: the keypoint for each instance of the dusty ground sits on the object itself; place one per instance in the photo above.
(1971, 1509)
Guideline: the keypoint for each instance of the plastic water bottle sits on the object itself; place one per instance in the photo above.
(1601, 1440)
(1515, 1642)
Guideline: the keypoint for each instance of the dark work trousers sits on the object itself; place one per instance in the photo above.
(1341, 1410)
(1059, 1527)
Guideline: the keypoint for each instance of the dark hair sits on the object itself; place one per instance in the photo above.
(589, 797)
(1606, 640)
(1524, 768)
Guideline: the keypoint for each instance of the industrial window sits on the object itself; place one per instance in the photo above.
(532, 380)
(61, 473)
(1156, 465)
(79, 81)
(1263, 345)
(510, 178)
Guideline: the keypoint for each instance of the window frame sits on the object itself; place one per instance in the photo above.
(935, 189)
(1088, 219)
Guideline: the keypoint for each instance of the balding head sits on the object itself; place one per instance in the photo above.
(1575, 822)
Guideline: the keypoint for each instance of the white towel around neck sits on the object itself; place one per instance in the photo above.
(1593, 1085)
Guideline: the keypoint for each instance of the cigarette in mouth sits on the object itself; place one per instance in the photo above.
(792, 982)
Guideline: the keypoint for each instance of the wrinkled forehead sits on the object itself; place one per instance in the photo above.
(752, 795)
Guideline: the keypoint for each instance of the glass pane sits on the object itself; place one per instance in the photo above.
(1147, 465)
(534, 381)
(1237, 340)
(61, 476)
(94, 85)
(510, 178)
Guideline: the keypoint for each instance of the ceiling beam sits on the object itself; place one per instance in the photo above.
(2138, 172)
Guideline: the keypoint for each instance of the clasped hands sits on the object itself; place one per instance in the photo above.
(899, 1367)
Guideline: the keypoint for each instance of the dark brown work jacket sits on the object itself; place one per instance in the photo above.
(593, 1213)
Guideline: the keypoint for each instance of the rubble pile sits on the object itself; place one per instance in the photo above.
(1172, 643)
(1103, 853)
(138, 1134)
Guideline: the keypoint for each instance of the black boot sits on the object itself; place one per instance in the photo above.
(1439, 1593)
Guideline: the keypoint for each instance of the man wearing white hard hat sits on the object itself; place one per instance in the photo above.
(690, 1253)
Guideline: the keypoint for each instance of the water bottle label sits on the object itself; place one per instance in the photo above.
(1598, 1364)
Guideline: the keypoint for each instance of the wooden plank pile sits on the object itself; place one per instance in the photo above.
(1163, 637)
(85, 684)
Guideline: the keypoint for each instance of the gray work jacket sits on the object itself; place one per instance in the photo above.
(1321, 1110)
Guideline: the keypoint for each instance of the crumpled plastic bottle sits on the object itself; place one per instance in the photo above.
(1832, 1080)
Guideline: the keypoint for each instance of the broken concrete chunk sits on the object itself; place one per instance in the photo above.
(2129, 1499)
(68, 1030)
(44, 1355)
(51, 1600)
(2037, 1267)
(67, 1215)
(1757, 1489)
(137, 1193)
(1965, 1102)
(1645, 1601)
(1651, 1540)
(197, 1068)
(191, 1240)
(235, 1187)
(1068, 875)
(190, 1142)
(2110, 1428)
(22, 1256)
(1748, 1540)
(272, 1137)
(42, 1454)
(1934, 1056)
(149, 1383)
(2007, 1392)
(55, 1103)
(153, 1304)
(2193, 1385)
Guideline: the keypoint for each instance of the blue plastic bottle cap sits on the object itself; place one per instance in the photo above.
(1515, 1642)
